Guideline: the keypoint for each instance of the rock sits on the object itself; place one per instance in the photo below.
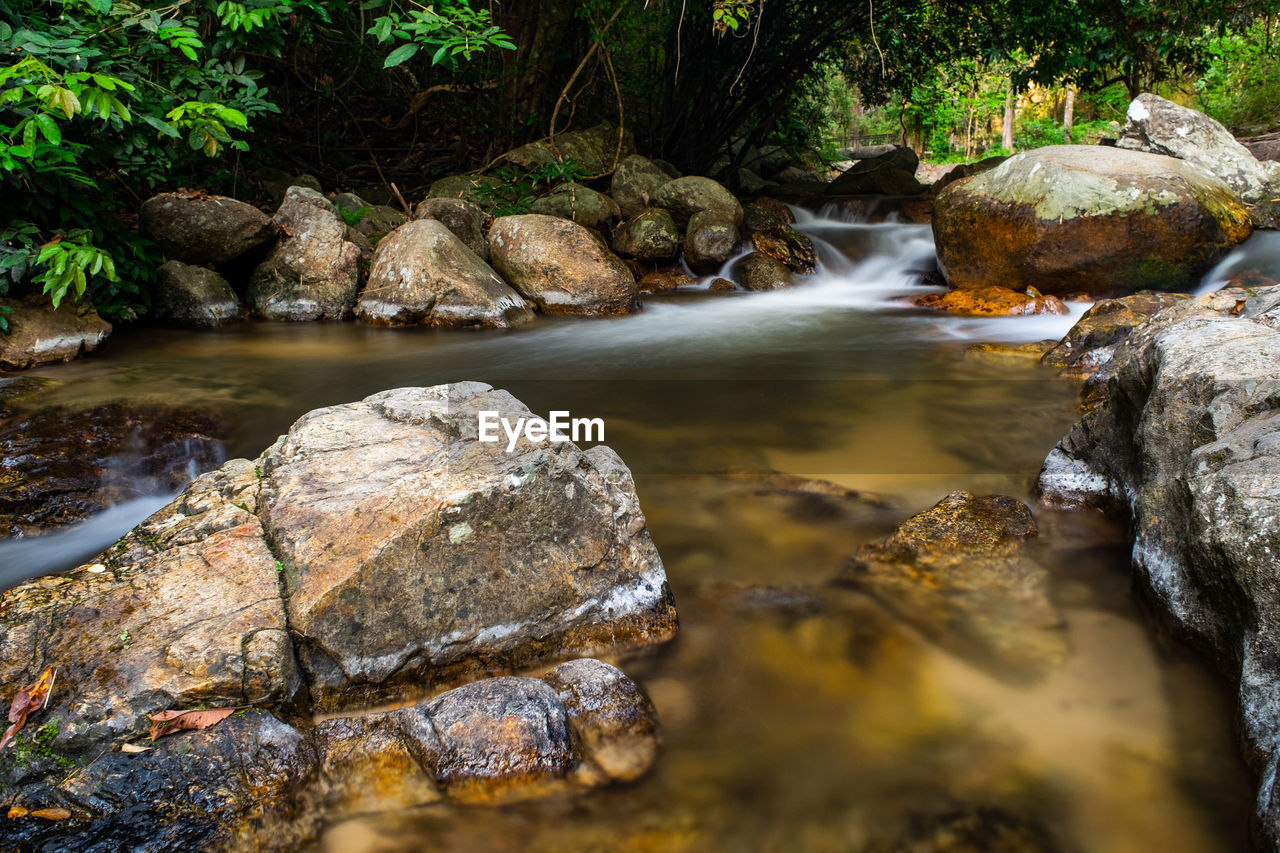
(891, 173)
(1009, 353)
(758, 271)
(710, 241)
(614, 720)
(656, 282)
(765, 214)
(199, 790)
(349, 203)
(592, 150)
(986, 301)
(650, 235)
(194, 296)
(204, 230)
(494, 559)
(560, 266)
(1265, 147)
(1158, 126)
(379, 221)
(51, 475)
(582, 204)
(784, 243)
(1186, 437)
(722, 285)
(963, 171)
(1075, 219)
(424, 275)
(751, 183)
(1094, 338)
(635, 183)
(479, 190)
(39, 334)
(683, 197)
(188, 612)
(958, 573)
(464, 219)
(313, 273)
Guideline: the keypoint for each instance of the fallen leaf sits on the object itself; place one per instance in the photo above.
(1239, 306)
(168, 722)
(29, 699)
(51, 814)
(16, 812)
(133, 748)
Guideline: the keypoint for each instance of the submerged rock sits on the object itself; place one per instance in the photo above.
(560, 266)
(988, 301)
(424, 275)
(62, 464)
(203, 230)
(1074, 219)
(40, 334)
(1186, 436)
(758, 271)
(313, 273)
(958, 572)
(1163, 127)
(194, 296)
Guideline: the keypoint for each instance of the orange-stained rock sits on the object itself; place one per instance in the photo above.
(1097, 220)
(985, 301)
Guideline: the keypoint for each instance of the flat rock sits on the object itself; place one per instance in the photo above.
(40, 334)
(991, 301)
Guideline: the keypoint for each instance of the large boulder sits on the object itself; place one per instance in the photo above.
(196, 297)
(710, 240)
(890, 173)
(463, 218)
(785, 244)
(960, 574)
(635, 183)
(424, 275)
(1186, 437)
(1265, 147)
(313, 272)
(1159, 126)
(205, 230)
(40, 334)
(683, 197)
(560, 266)
(650, 235)
(493, 558)
(582, 204)
(1074, 219)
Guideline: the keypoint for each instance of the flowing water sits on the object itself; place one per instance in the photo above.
(797, 716)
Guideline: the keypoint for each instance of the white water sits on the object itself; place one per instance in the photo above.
(1260, 252)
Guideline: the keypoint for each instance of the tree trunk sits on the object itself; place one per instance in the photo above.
(1006, 141)
(1069, 110)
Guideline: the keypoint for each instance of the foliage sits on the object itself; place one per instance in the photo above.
(1241, 83)
(447, 30)
(515, 190)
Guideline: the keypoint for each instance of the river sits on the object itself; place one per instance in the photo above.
(796, 718)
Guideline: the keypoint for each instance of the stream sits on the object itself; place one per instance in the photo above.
(796, 716)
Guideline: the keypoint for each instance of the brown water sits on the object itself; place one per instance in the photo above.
(797, 716)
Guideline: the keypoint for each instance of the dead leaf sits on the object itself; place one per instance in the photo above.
(1239, 306)
(29, 699)
(168, 722)
(133, 748)
(16, 812)
(51, 814)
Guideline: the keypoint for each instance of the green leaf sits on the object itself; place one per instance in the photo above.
(49, 128)
(102, 7)
(401, 54)
(162, 126)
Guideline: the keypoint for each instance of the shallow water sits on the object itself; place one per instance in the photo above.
(797, 716)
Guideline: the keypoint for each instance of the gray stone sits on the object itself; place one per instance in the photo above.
(684, 197)
(313, 273)
(194, 296)
(758, 271)
(424, 275)
(635, 183)
(463, 218)
(650, 235)
(582, 204)
(206, 230)
(40, 334)
(710, 241)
